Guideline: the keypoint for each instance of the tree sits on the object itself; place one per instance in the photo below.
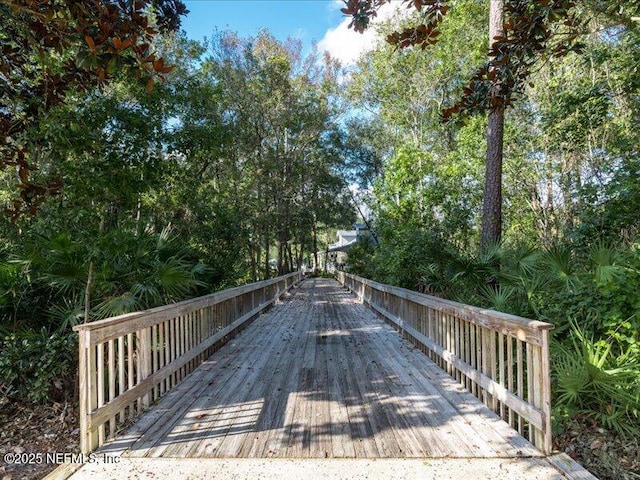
(51, 49)
(491, 232)
(520, 31)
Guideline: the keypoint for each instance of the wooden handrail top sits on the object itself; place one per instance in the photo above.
(172, 310)
(485, 317)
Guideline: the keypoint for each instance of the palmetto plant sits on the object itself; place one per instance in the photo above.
(118, 272)
(591, 381)
(156, 270)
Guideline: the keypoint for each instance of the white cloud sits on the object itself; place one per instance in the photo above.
(346, 45)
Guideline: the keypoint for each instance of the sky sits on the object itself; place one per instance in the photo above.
(307, 20)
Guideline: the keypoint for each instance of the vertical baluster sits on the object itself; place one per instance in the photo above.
(510, 374)
(458, 345)
(462, 349)
(479, 359)
(520, 381)
(194, 332)
(530, 387)
(121, 376)
(176, 346)
(432, 330)
(111, 353)
(144, 360)
(171, 339)
(486, 359)
(441, 338)
(501, 368)
(473, 354)
(153, 332)
(183, 343)
(101, 387)
(167, 354)
(130, 371)
(467, 353)
(159, 349)
(451, 341)
(493, 354)
(186, 332)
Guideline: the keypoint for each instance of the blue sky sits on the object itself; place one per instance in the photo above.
(307, 20)
(304, 19)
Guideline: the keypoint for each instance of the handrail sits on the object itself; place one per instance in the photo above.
(502, 359)
(129, 361)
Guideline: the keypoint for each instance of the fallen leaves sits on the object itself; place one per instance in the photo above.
(42, 429)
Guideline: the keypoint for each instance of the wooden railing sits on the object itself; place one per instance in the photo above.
(128, 362)
(502, 359)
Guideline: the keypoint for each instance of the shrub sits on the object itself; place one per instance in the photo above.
(37, 366)
(591, 381)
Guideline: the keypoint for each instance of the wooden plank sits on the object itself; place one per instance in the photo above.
(100, 415)
(523, 408)
(211, 378)
(569, 467)
(341, 444)
(404, 411)
(100, 390)
(428, 414)
(270, 386)
(254, 398)
(299, 441)
(84, 391)
(361, 441)
(320, 443)
(278, 416)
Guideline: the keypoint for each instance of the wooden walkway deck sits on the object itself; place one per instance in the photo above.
(320, 376)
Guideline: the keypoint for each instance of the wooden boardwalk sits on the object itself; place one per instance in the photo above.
(320, 376)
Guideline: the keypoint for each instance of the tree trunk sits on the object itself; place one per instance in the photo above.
(87, 294)
(289, 258)
(315, 245)
(252, 259)
(267, 273)
(492, 201)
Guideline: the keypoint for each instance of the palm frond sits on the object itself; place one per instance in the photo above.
(117, 305)
(559, 259)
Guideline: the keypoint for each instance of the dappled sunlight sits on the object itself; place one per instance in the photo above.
(320, 376)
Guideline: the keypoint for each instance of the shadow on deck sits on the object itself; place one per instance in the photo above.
(320, 376)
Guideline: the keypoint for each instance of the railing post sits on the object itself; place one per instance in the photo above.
(87, 391)
(544, 383)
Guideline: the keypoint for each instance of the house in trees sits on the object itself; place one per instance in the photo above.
(336, 254)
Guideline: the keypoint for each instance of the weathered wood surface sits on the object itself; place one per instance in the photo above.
(148, 353)
(472, 345)
(319, 375)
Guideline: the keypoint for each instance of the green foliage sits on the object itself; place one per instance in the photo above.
(36, 365)
(593, 381)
